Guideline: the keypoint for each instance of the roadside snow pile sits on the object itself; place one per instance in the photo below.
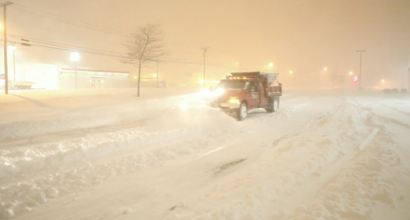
(145, 151)
(160, 129)
(171, 125)
(126, 112)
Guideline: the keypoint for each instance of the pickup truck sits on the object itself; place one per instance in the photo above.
(243, 91)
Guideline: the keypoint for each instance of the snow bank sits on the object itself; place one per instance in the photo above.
(319, 157)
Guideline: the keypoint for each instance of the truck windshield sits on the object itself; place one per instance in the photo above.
(232, 84)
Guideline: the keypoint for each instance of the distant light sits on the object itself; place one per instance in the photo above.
(75, 56)
(325, 68)
(355, 78)
(350, 73)
(135, 77)
(154, 75)
(290, 72)
(382, 81)
(271, 64)
(12, 47)
(90, 80)
(102, 80)
(201, 81)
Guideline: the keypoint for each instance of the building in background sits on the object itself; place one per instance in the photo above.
(81, 78)
(52, 77)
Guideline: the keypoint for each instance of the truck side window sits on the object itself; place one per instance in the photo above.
(253, 87)
(246, 85)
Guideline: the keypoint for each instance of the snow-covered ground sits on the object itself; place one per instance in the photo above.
(107, 154)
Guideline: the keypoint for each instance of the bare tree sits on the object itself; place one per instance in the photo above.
(144, 46)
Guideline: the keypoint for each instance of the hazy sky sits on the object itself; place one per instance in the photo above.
(299, 35)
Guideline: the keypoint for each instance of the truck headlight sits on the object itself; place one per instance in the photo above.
(218, 92)
(234, 100)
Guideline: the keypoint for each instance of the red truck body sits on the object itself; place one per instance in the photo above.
(242, 91)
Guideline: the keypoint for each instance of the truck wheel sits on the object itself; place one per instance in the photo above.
(275, 104)
(242, 112)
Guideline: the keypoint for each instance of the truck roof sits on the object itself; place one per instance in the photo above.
(270, 76)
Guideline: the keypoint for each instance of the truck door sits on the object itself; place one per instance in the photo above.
(263, 99)
(253, 102)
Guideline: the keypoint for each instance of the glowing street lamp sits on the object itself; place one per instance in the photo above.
(75, 56)
(325, 68)
(270, 64)
(350, 73)
(290, 72)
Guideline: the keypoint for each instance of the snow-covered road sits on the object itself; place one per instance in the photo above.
(323, 155)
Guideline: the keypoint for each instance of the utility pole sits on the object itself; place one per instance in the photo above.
(75, 56)
(75, 75)
(360, 71)
(157, 74)
(205, 48)
(6, 78)
(409, 81)
(14, 62)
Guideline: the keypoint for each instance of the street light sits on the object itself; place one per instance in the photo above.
(360, 71)
(13, 48)
(204, 78)
(291, 72)
(350, 73)
(75, 56)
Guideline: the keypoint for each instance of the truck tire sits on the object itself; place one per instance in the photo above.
(269, 108)
(275, 105)
(242, 112)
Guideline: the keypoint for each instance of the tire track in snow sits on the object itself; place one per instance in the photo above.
(384, 118)
(362, 184)
(251, 179)
(330, 159)
(19, 197)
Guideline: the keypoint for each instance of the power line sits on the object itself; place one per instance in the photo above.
(74, 22)
(66, 47)
(70, 21)
(57, 44)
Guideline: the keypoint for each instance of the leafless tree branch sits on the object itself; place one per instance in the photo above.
(144, 46)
